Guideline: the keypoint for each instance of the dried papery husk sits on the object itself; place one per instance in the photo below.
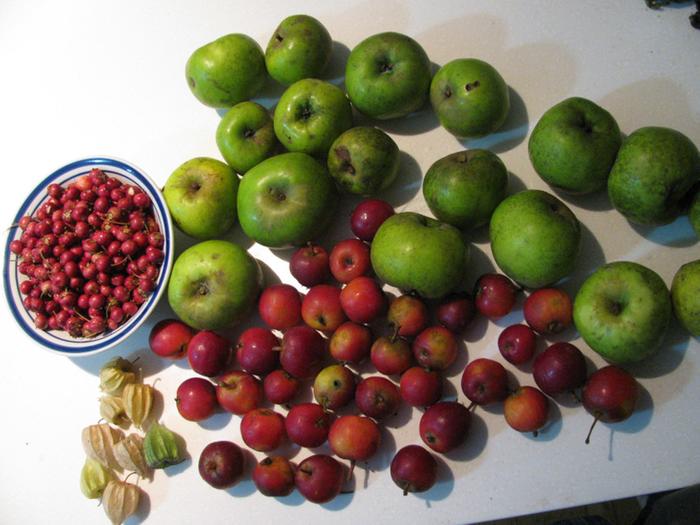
(116, 374)
(98, 443)
(94, 478)
(129, 455)
(160, 447)
(138, 400)
(120, 500)
(112, 409)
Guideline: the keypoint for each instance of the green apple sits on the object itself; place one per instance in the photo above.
(418, 254)
(201, 197)
(214, 285)
(363, 160)
(685, 296)
(694, 212)
(469, 97)
(622, 311)
(654, 170)
(387, 75)
(245, 136)
(464, 188)
(310, 115)
(227, 71)
(574, 144)
(286, 200)
(300, 48)
(535, 238)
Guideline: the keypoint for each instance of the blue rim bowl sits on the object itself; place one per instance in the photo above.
(60, 342)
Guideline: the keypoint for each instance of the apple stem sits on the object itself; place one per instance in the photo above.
(395, 334)
(404, 486)
(535, 433)
(276, 348)
(588, 437)
(472, 406)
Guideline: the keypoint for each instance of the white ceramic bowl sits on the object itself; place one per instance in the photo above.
(58, 341)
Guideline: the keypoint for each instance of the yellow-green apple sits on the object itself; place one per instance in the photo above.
(463, 189)
(286, 200)
(214, 285)
(416, 253)
(574, 145)
(469, 97)
(622, 310)
(299, 48)
(685, 294)
(310, 115)
(535, 238)
(387, 75)
(201, 197)
(363, 160)
(245, 136)
(654, 170)
(334, 387)
(226, 71)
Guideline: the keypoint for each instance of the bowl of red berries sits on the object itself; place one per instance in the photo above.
(88, 256)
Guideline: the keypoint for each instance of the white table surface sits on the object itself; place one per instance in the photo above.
(86, 78)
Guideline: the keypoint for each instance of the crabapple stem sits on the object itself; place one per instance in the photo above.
(588, 437)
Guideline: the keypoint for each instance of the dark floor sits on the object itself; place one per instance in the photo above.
(619, 512)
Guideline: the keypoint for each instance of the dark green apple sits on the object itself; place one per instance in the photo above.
(310, 115)
(654, 170)
(387, 75)
(245, 136)
(535, 238)
(286, 200)
(685, 295)
(227, 71)
(214, 285)
(201, 197)
(574, 144)
(418, 254)
(622, 311)
(363, 160)
(464, 188)
(469, 97)
(300, 48)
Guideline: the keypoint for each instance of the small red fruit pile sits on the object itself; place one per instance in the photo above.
(91, 255)
(320, 338)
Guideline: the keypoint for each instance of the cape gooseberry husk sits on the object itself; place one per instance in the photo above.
(112, 409)
(120, 500)
(160, 447)
(129, 455)
(138, 401)
(116, 374)
(98, 443)
(94, 478)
